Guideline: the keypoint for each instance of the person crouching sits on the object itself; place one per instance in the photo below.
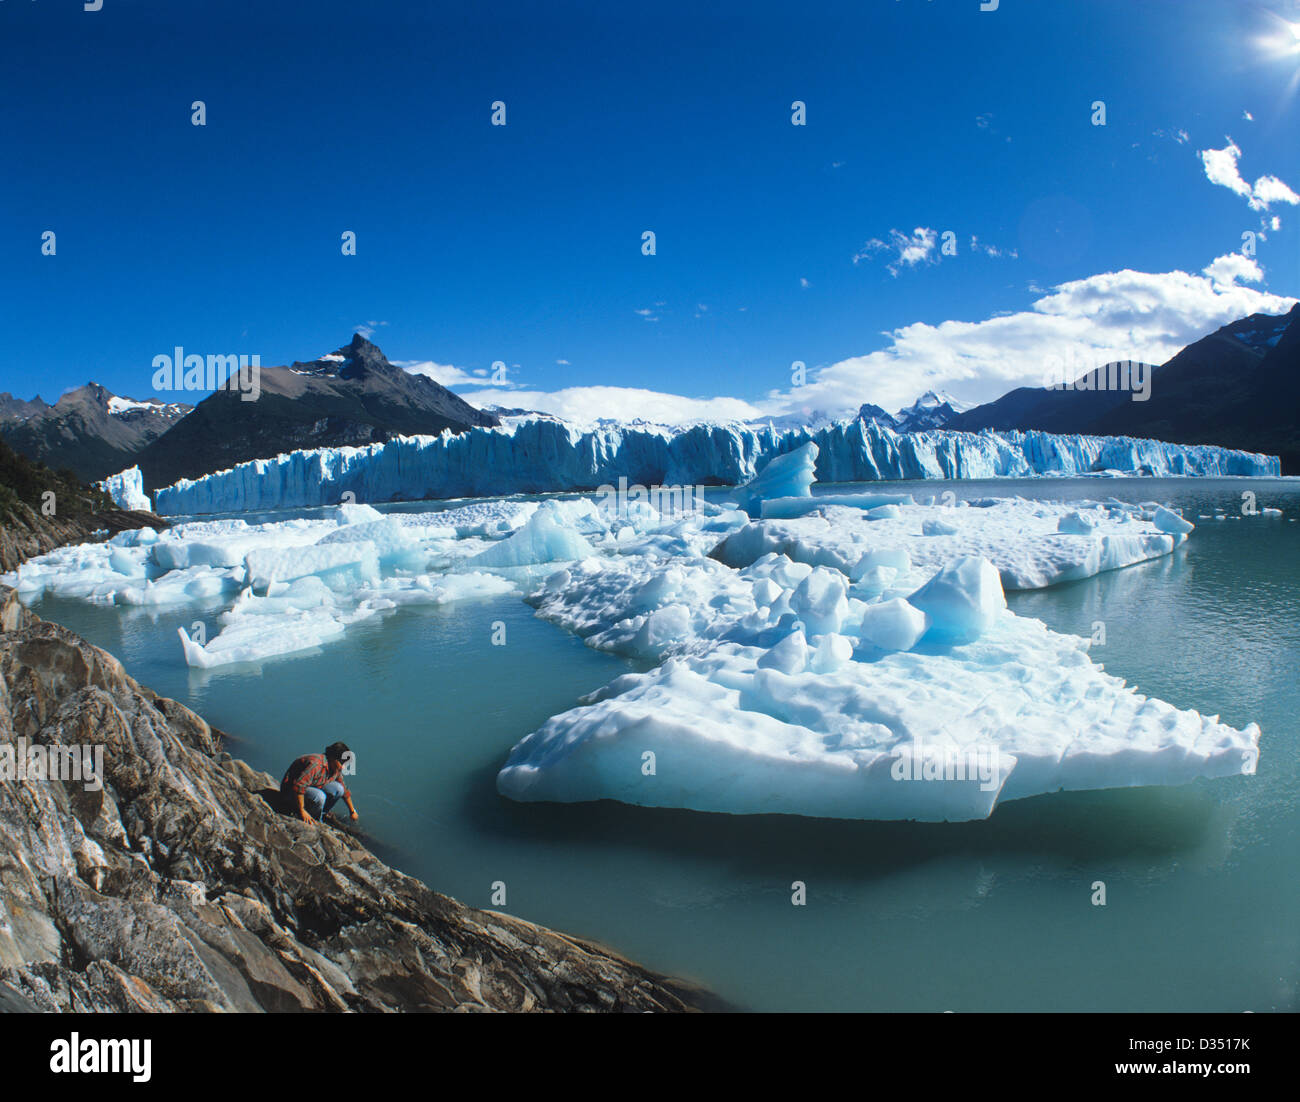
(313, 783)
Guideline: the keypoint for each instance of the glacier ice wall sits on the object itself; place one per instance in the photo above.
(541, 455)
(126, 488)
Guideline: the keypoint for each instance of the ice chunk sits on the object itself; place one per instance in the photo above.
(393, 542)
(272, 564)
(821, 601)
(962, 600)
(124, 562)
(924, 735)
(356, 513)
(893, 625)
(790, 655)
(127, 490)
(249, 639)
(777, 508)
(832, 653)
(134, 537)
(429, 590)
(1075, 523)
(1169, 521)
(543, 539)
(789, 475)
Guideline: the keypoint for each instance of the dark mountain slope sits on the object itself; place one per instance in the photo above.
(90, 430)
(1238, 387)
(349, 398)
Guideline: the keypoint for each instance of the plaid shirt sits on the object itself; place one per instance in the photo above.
(310, 771)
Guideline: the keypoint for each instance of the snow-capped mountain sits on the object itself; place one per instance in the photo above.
(1237, 387)
(90, 430)
(352, 396)
(933, 410)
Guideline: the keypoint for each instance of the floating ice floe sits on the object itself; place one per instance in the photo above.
(1032, 543)
(934, 710)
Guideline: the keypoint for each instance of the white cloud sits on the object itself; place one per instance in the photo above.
(1248, 116)
(1084, 323)
(908, 250)
(804, 282)
(1227, 270)
(446, 374)
(1076, 326)
(991, 250)
(1221, 168)
(648, 314)
(1269, 189)
(587, 404)
(563, 363)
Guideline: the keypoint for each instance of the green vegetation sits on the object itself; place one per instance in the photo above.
(23, 482)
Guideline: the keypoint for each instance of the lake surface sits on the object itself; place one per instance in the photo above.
(1202, 892)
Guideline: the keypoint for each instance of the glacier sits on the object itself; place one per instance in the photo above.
(126, 488)
(530, 455)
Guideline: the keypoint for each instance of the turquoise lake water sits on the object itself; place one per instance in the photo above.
(1202, 883)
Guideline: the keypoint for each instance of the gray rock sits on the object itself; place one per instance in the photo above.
(179, 887)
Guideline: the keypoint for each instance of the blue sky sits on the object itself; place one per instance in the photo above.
(522, 244)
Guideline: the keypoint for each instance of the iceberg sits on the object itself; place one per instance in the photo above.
(934, 707)
(536, 455)
(1033, 544)
(943, 734)
(784, 477)
(126, 488)
(545, 538)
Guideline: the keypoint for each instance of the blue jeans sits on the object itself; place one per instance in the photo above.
(318, 801)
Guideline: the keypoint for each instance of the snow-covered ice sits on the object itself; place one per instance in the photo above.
(1032, 543)
(940, 733)
(840, 655)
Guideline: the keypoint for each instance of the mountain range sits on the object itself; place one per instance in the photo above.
(930, 411)
(1238, 387)
(352, 396)
(90, 430)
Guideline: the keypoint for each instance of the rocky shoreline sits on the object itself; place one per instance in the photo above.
(25, 533)
(176, 885)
